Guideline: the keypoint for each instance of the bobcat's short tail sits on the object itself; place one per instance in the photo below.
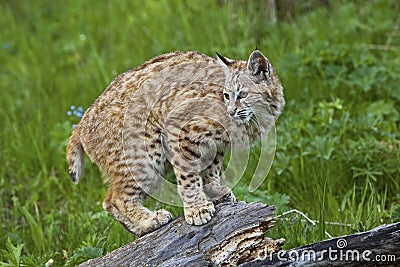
(75, 156)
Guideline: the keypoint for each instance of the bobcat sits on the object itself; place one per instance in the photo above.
(179, 111)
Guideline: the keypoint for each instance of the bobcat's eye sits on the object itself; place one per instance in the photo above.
(242, 94)
(226, 96)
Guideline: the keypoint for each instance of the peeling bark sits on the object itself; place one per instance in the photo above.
(235, 235)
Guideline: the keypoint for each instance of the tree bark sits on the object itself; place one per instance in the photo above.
(272, 14)
(236, 237)
(377, 247)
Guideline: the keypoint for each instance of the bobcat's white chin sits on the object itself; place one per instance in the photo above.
(241, 118)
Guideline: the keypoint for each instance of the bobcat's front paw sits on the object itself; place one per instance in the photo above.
(199, 215)
(152, 223)
(162, 217)
(230, 197)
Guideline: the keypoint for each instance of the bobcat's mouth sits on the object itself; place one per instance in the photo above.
(244, 115)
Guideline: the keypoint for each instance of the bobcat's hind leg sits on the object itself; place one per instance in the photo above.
(128, 210)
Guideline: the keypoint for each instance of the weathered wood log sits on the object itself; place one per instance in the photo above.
(235, 235)
(377, 247)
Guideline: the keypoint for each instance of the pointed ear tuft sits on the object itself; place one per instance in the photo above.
(225, 63)
(258, 64)
(223, 59)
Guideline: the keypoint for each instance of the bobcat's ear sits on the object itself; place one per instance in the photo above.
(223, 60)
(259, 65)
(225, 63)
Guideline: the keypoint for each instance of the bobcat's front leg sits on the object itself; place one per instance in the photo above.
(197, 209)
(212, 181)
(187, 152)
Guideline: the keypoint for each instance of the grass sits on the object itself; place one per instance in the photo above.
(338, 144)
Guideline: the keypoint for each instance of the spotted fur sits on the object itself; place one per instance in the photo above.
(177, 112)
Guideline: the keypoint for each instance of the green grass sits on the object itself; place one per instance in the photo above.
(338, 143)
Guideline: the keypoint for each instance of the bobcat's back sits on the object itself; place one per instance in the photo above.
(145, 93)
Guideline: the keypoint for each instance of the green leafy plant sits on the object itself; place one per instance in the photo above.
(93, 247)
(12, 254)
(396, 213)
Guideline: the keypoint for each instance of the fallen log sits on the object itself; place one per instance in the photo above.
(377, 247)
(235, 235)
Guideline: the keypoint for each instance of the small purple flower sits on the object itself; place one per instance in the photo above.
(78, 112)
(74, 113)
(6, 45)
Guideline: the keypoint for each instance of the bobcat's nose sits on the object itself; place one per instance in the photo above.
(231, 110)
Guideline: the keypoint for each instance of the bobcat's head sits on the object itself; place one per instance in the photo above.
(252, 91)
